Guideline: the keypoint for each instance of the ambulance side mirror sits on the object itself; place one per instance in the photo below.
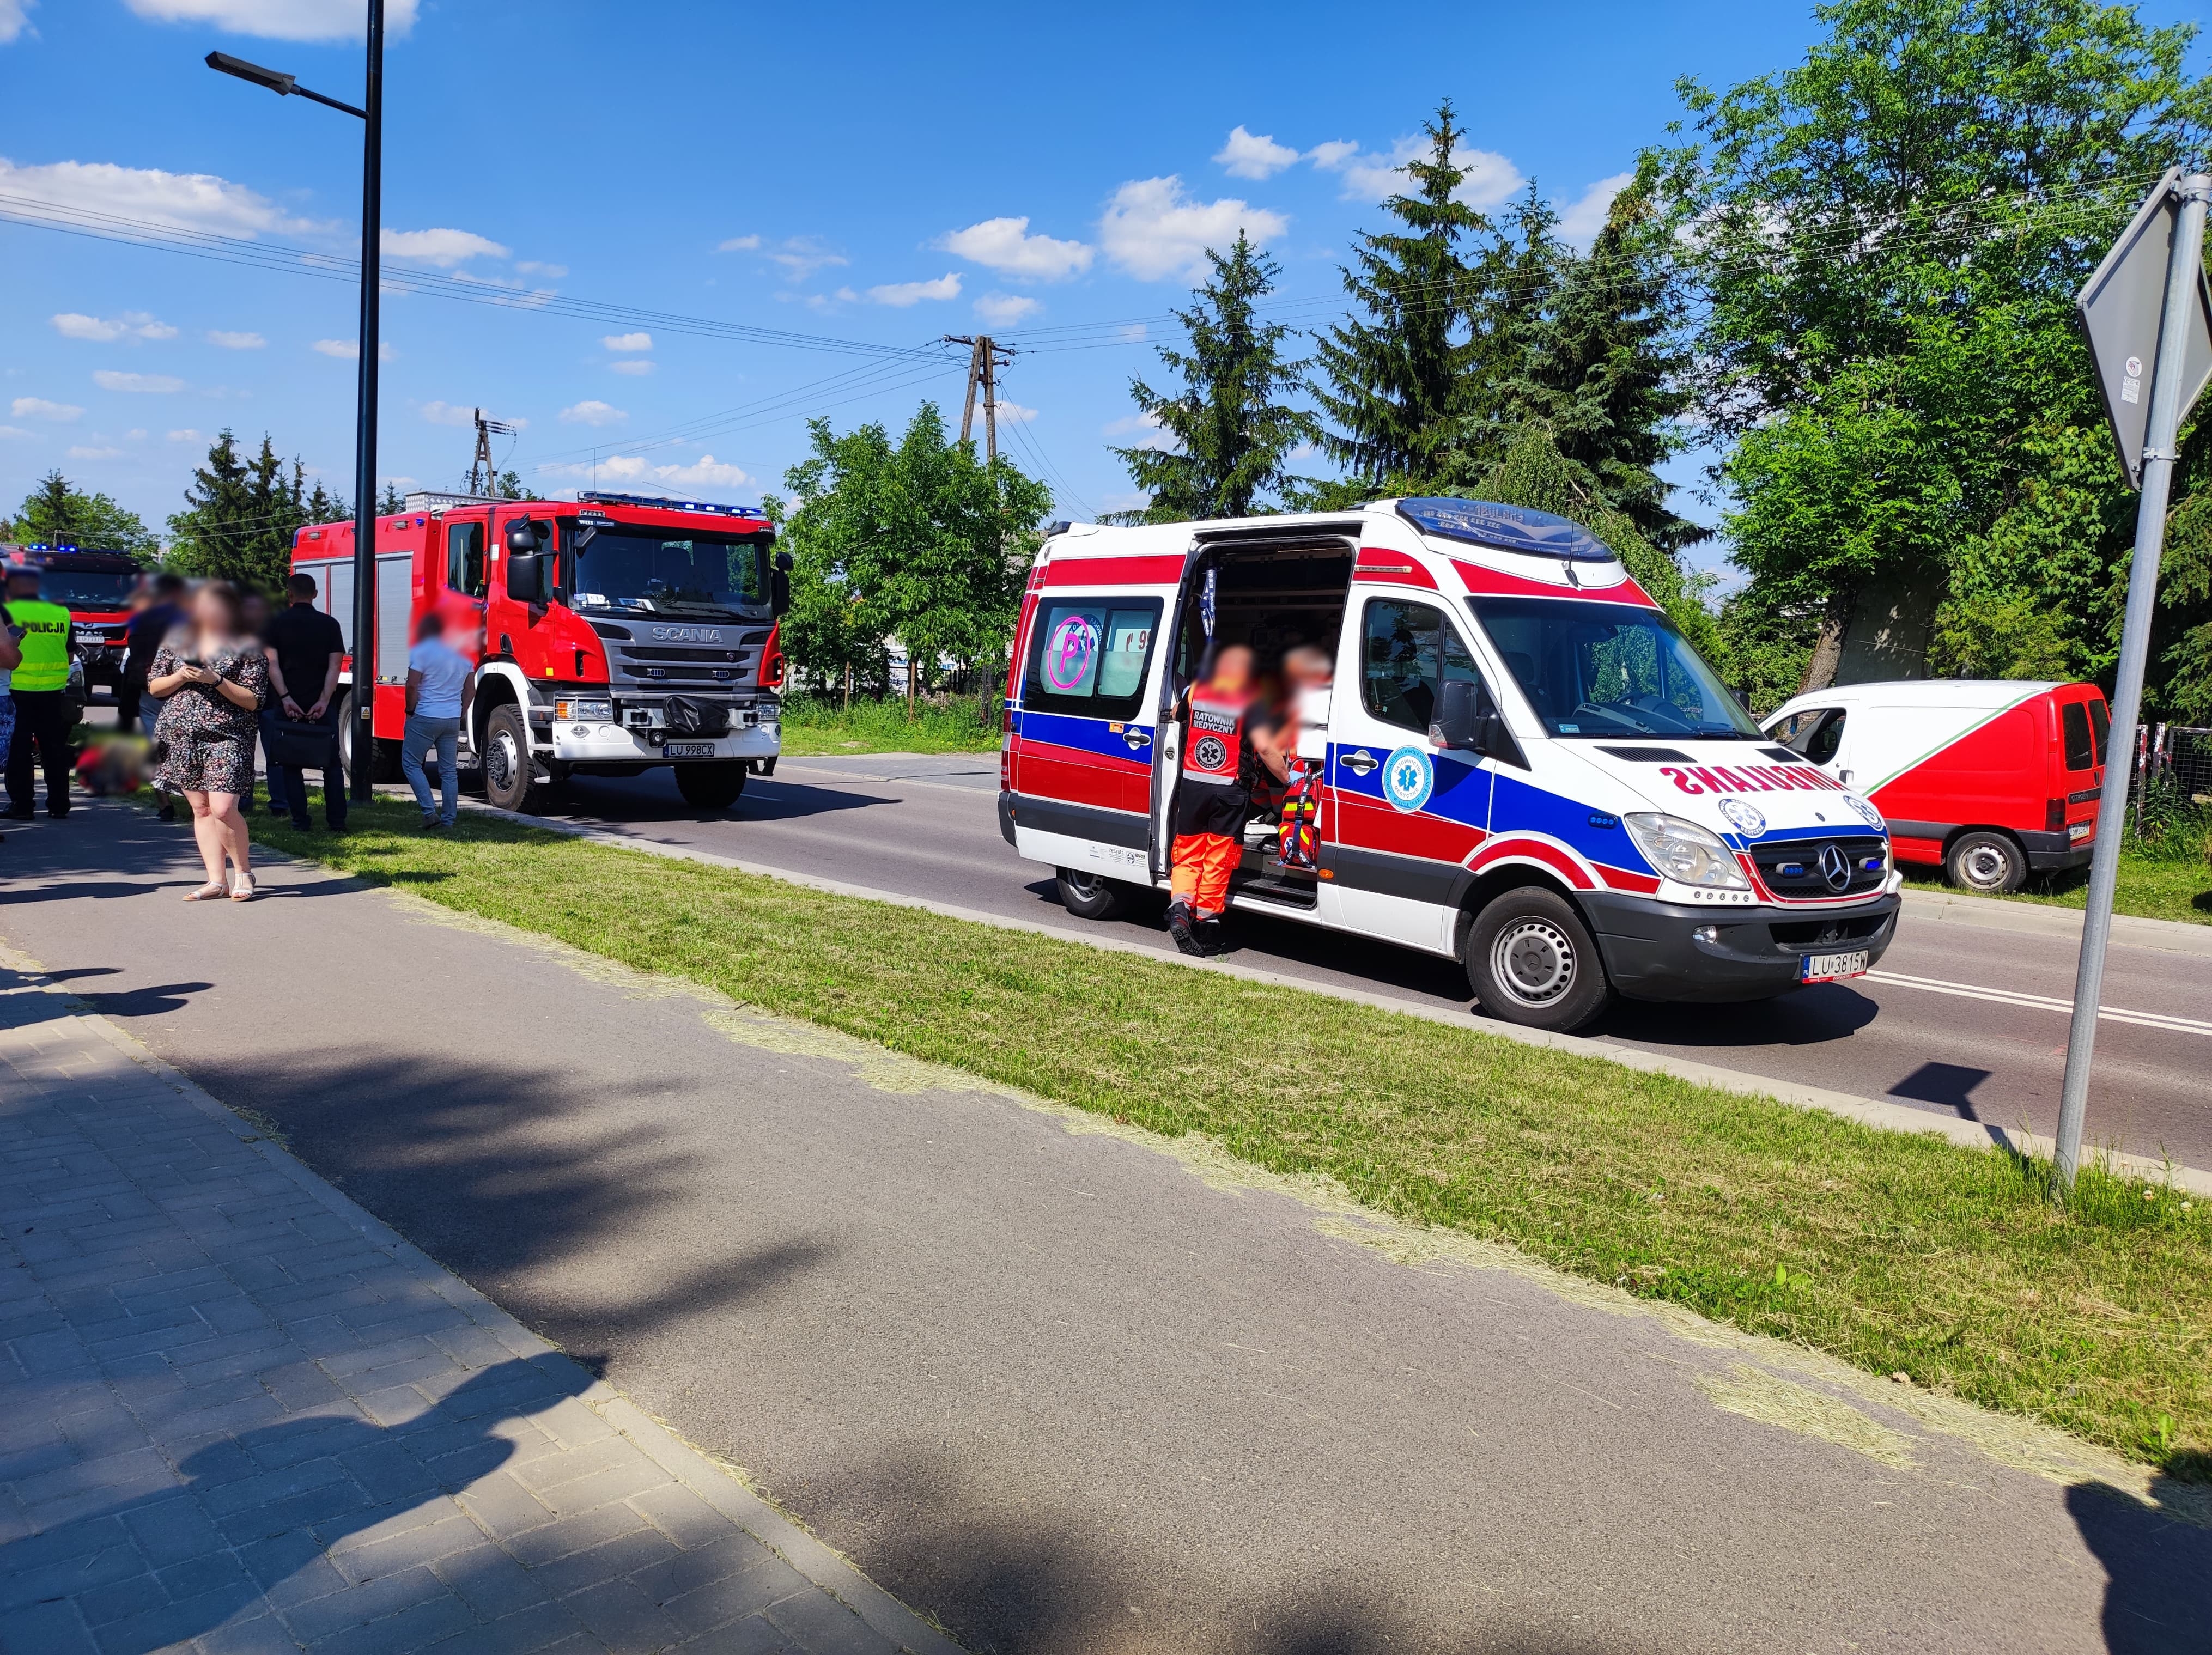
(1467, 722)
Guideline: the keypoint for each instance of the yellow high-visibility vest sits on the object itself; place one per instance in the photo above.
(44, 642)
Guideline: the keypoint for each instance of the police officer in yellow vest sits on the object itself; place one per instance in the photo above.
(39, 687)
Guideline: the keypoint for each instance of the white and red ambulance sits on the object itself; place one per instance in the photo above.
(1994, 778)
(1525, 767)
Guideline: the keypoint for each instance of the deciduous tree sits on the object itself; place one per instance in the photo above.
(56, 512)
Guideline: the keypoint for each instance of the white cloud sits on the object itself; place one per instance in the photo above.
(1151, 229)
(348, 350)
(137, 433)
(1005, 244)
(899, 295)
(628, 342)
(1490, 177)
(593, 412)
(1014, 413)
(158, 383)
(831, 301)
(279, 20)
(1003, 310)
(38, 408)
(634, 367)
(802, 255)
(186, 434)
(13, 432)
(189, 201)
(13, 21)
(81, 452)
(739, 244)
(706, 472)
(443, 413)
(230, 340)
(1249, 156)
(532, 267)
(1145, 428)
(441, 248)
(1580, 223)
(131, 324)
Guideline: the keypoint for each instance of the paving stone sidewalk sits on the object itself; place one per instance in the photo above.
(238, 1413)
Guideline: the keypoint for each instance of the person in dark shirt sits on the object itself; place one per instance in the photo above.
(305, 648)
(255, 609)
(162, 615)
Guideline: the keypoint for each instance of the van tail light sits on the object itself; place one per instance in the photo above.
(2054, 815)
(771, 670)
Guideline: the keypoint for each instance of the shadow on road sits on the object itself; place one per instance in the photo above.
(2158, 1595)
(1947, 1085)
(654, 799)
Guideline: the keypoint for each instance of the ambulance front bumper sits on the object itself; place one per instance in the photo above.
(1671, 951)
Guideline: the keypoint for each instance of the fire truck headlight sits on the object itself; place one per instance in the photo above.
(584, 712)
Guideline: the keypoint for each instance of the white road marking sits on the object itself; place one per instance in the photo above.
(2041, 1002)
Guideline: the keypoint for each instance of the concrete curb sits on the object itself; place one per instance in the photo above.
(1871, 1112)
(714, 1483)
(1991, 914)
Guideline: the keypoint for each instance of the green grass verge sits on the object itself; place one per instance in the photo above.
(1894, 1252)
(814, 728)
(2155, 887)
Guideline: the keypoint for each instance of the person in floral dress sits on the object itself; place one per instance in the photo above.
(213, 678)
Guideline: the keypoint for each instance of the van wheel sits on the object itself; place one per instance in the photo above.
(1531, 961)
(710, 787)
(1092, 896)
(507, 782)
(1985, 862)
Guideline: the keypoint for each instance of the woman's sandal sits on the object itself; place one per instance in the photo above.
(241, 887)
(214, 891)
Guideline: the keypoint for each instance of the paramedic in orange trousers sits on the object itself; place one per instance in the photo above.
(1211, 802)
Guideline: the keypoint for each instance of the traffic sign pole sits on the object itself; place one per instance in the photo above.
(2174, 382)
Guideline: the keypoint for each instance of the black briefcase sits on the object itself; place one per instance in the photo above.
(299, 745)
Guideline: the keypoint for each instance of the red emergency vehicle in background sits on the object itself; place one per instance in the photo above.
(95, 588)
(614, 634)
(1994, 778)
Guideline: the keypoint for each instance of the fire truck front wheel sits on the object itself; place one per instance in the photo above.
(710, 787)
(508, 785)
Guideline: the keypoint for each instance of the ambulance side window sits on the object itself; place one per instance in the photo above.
(1817, 732)
(1405, 651)
(1088, 656)
(464, 558)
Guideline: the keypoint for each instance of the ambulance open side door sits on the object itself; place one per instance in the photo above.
(1173, 677)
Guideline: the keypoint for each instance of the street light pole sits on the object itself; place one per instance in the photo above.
(364, 488)
(364, 470)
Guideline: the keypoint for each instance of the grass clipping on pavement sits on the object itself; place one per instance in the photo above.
(1895, 1252)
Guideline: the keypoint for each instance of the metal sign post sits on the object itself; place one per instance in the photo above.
(2148, 295)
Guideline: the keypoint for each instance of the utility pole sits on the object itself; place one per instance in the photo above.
(985, 356)
(485, 429)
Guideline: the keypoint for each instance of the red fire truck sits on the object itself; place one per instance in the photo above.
(95, 588)
(615, 633)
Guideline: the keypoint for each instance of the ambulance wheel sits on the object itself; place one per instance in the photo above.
(710, 787)
(1985, 862)
(508, 784)
(1531, 961)
(1092, 896)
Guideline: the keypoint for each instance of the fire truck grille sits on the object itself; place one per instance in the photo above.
(671, 666)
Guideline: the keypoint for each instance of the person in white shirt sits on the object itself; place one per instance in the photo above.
(441, 685)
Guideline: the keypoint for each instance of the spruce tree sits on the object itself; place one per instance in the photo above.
(1396, 371)
(1233, 431)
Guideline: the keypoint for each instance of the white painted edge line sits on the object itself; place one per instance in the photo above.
(2041, 1002)
(1890, 1116)
(824, 1566)
(1989, 913)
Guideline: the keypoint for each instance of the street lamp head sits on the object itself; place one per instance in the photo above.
(282, 85)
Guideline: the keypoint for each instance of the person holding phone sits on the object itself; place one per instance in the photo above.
(213, 678)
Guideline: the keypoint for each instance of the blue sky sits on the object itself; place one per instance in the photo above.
(867, 175)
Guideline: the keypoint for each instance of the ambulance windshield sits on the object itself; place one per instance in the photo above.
(1610, 669)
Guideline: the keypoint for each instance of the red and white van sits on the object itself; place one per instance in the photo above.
(1993, 778)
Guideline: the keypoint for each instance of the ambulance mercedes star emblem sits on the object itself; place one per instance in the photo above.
(1835, 868)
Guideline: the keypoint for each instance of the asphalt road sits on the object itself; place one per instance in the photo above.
(926, 826)
(1038, 1379)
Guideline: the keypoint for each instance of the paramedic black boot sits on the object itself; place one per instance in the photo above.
(1181, 930)
(1212, 938)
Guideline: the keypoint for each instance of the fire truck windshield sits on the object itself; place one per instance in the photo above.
(87, 589)
(659, 572)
